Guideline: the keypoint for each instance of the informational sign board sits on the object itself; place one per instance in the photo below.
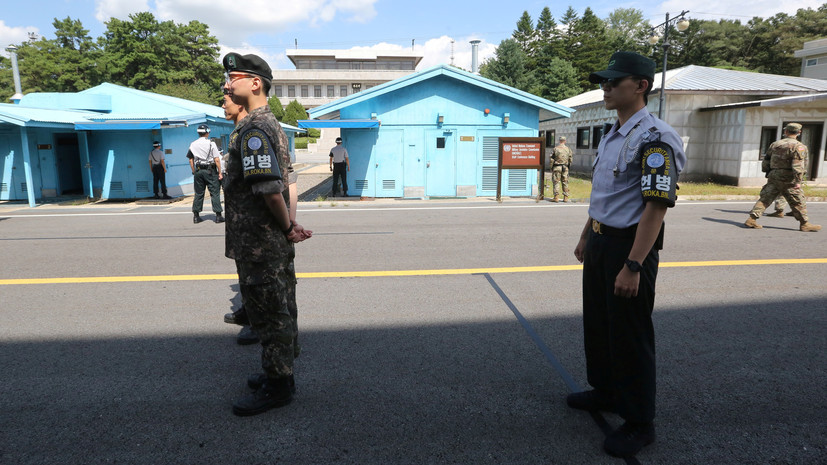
(522, 153)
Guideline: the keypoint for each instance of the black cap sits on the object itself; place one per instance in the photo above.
(252, 64)
(623, 64)
(338, 139)
(203, 128)
(156, 144)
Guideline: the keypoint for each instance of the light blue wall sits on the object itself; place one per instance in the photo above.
(402, 148)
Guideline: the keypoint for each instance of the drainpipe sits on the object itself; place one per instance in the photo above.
(18, 93)
(475, 45)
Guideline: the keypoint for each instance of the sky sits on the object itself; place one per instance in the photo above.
(440, 30)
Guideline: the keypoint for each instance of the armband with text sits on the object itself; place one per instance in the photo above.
(258, 158)
(659, 178)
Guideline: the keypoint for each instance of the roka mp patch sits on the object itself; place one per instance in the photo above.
(258, 158)
(659, 179)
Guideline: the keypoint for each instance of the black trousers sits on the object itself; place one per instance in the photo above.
(159, 177)
(618, 333)
(339, 170)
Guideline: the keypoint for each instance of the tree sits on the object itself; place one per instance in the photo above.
(589, 46)
(509, 66)
(525, 34)
(627, 30)
(294, 112)
(558, 81)
(198, 92)
(276, 108)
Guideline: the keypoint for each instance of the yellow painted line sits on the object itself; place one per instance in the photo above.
(397, 273)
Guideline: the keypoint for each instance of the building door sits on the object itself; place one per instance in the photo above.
(440, 163)
(388, 155)
(70, 180)
(811, 137)
(8, 183)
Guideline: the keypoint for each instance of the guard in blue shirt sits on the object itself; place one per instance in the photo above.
(634, 180)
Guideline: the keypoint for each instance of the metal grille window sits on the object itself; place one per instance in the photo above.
(389, 184)
(141, 186)
(517, 179)
(361, 184)
(490, 150)
(489, 178)
(116, 186)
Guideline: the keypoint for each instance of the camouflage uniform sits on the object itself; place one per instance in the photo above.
(561, 160)
(788, 165)
(254, 239)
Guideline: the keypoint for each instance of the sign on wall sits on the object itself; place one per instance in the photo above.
(522, 153)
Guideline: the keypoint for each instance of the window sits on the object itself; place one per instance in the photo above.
(768, 136)
(812, 61)
(277, 91)
(331, 91)
(597, 134)
(317, 91)
(550, 136)
(440, 142)
(291, 91)
(342, 91)
(305, 91)
(583, 138)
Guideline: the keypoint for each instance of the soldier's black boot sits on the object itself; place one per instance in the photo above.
(274, 393)
(255, 381)
(219, 218)
(238, 317)
(196, 218)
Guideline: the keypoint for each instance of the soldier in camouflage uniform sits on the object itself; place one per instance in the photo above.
(259, 232)
(788, 166)
(560, 163)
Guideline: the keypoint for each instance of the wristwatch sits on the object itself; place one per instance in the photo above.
(633, 266)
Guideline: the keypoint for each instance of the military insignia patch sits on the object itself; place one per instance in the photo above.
(659, 178)
(257, 157)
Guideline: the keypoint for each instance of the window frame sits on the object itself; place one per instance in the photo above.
(584, 133)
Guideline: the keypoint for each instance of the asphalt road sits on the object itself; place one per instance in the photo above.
(422, 369)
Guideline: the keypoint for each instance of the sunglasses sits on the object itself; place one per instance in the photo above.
(229, 79)
(608, 84)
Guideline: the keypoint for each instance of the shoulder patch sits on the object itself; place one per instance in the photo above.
(257, 157)
(659, 179)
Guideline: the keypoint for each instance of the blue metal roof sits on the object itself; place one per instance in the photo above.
(338, 123)
(442, 70)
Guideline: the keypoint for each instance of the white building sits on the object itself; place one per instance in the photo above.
(322, 76)
(726, 119)
(813, 59)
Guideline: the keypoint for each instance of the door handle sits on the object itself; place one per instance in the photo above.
(377, 165)
(428, 165)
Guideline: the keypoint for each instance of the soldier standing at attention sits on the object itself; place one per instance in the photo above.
(158, 166)
(205, 162)
(560, 163)
(339, 165)
(259, 232)
(788, 166)
(634, 182)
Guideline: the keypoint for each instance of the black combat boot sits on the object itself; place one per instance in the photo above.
(274, 393)
(238, 317)
(196, 218)
(255, 381)
(219, 218)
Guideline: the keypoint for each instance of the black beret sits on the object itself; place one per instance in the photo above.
(252, 64)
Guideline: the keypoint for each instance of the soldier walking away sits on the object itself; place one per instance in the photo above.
(259, 232)
(158, 166)
(205, 162)
(340, 165)
(634, 183)
(561, 162)
(787, 169)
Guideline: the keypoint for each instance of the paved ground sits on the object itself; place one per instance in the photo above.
(419, 369)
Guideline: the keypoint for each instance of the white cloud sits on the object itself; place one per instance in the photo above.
(274, 60)
(13, 35)
(232, 21)
(743, 11)
(106, 9)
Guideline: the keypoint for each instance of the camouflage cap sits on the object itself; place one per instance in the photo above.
(562, 137)
(792, 128)
(252, 64)
(623, 64)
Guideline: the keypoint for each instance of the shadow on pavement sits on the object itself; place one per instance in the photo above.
(738, 385)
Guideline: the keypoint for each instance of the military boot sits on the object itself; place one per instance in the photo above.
(556, 198)
(751, 223)
(809, 227)
(565, 198)
(196, 218)
(776, 214)
(273, 393)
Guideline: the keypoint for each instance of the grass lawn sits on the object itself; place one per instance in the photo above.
(580, 188)
(301, 142)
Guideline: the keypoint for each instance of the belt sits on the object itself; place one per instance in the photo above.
(205, 167)
(600, 228)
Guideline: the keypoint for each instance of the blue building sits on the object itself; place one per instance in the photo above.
(97, 142)
(434, 133)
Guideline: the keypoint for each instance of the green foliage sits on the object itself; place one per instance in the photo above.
(509, 66)
(314, 133)
(558, 81)
(294, 112)
(175, 59)
(276, 108)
